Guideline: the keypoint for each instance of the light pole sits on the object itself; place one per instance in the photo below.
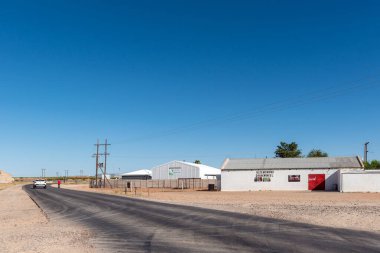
(365, 151)
(43, 172)
(66, 175)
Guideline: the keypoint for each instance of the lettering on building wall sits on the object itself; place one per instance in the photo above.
(294, 178)
(175, 171)
(264, 175)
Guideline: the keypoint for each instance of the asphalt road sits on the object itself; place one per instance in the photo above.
(131, 225)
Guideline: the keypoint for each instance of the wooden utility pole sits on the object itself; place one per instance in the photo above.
(66, 175)
(99, 165)
(105, 163)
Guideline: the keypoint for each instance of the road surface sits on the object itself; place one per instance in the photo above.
(122, 224)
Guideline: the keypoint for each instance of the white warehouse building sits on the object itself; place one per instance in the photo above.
(137, 175)
(179, 169)
(286, 174)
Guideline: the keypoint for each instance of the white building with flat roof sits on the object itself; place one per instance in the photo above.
(360, 181)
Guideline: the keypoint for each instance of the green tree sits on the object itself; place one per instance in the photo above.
(373, 165)
(285, 150)
(317, 153)
(197, 162)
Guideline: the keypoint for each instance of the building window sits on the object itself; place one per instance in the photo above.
(294, 178)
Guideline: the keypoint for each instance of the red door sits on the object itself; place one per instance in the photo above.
(316, 182)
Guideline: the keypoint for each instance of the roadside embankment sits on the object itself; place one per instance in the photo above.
(5, 178)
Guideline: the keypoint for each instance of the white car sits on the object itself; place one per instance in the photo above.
(39, 183)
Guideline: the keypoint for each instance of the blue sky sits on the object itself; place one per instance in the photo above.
(184, 80)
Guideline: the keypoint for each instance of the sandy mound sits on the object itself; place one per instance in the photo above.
(5, 178)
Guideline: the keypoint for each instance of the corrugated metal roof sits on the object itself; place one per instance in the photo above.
(203, 169)
(292, 163)
(138, 173)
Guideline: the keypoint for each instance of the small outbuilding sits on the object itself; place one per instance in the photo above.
(360, 181)
(137, 175)
(180, 169)
(286, 174)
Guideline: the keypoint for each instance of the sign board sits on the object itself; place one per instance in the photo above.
(264, 175)
(294, 178)
(175, 171)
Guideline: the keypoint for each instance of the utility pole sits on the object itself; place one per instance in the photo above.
(97, 163)
(365, 151)
(81, 173)
(101, 165)
(66, 175)
(105, 164)
(43, 173)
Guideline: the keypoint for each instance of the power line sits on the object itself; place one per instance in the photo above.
(188, 155)
(305, 99)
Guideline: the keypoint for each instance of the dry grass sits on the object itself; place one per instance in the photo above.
(5, 186)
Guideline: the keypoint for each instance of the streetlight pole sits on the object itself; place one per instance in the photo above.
(66, 175)
(365, 151)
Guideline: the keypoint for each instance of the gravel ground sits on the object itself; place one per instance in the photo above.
(358, 211)
(333, 209)
(25, 228)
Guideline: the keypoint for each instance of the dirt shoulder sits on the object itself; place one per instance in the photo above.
(358, 211)
(24, 227)
(5, 186)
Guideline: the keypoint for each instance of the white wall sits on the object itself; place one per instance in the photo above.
(360, 182)
(243, 180)
(186, 171)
